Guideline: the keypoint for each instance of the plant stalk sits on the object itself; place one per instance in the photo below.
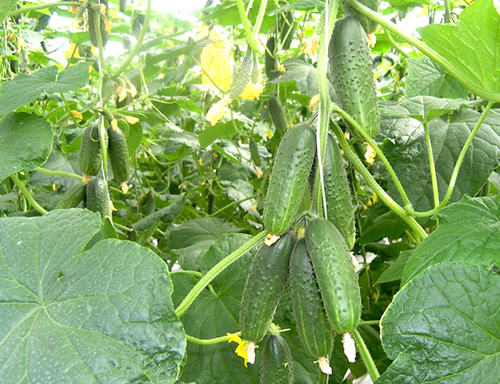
(59, 173)
(215, 340)
(252, 42)
(27, 194)
(44, 6)
(365, 355)
(432, 166)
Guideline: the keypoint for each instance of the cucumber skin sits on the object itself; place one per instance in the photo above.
(368, 25)
(270, 61)
(352, 75)
(101, 19)
(340, 208)
(289, 179)
(276, 365)
(96, 196)
(90, 151)
(335, 274)
(118, 154)
(265, 283)
(242, 76)
(72, 197)
(254, 153)
(278, 115)
(310, 317)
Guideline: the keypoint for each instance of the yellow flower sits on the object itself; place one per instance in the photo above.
(372, 39)
(114, 125)
(131, 120)
(259, 173)
(269, 134)
(370, 154)
(241, 349)
(252, 91)
(310, 45)
(77, 114)
(313, 103)
(216, 112)
(281, 68)
(374, 197)
(124, 187)
(216, 59)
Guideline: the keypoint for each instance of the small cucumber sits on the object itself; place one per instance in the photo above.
(352, 76)
(312, 324)
(286, 29)
(118, 154)
(90, 151)
(242, 75)
(254, 153)
(278, 115)
(335, 274)
(289, 178)
(72, 197)
(368, 25)
(97, 197)
(263, 288)
(123, 6)
(276, 362)
(269, 59)
(340, 208)
(95, 16)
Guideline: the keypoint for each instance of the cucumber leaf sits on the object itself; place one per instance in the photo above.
(441, 327)
(5, 7)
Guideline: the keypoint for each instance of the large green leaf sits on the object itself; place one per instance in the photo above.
(190, 240)
(468, 232)
(47, 80)
(406, 150)
(472, 46)
(214, 314)
(104, 315)
(426, 78)
(25, 143)
(442, 327)
(5, 7)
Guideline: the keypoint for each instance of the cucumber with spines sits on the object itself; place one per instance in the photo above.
(73, 196)
(278, 116)
(368, 24)
(254, 152)
(118, 154)
(90, 151)
(242, 75)
(97, 196)
(276, 365)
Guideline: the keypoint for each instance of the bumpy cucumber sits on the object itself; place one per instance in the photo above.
(276, 362)
(340, 208)
(312, 324)
(254, 153)
(90, 151)
(335, 274)
(118, 154)
(278, 115)
(242, 75)
(269, 59)
(289, 178)
(263, 288)
(96, 196)
(72, 197)
(94, 17)
(368, 25)
(286, 29)
(351, 70)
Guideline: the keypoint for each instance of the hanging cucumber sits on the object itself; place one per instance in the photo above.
(286, 29)
(254, 153)
(98, 12)
(242, 75)
(90, 151)
(278, 115)
(289, 178)
(368, 25)
(72, 197)
(335, 274)
(310, 317)
(269, 59)
(97, 197)
(263, 288)
(118, 154)
(340, 208)
(276, 362)
(352, 76)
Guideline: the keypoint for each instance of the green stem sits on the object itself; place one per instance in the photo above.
(365, 355)
(424, 48)
(260, 17)
(59, 173)
(458, 165)
(27, 194)
(43, 6)
(446, 11)
(396, 45)
(252, 42)
(369, 322)
(138, 45)
(432, 166)
(215, 340)
(233, 203)
(377, 149)
(383, 195)
(214, 272)
(324, 104)
(197, 274)
(322, 378)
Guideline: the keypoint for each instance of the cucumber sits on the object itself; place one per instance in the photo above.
(312, 324)
(96, 196)
(254, 153)
(242, 75)
(72, 197)
(90, 151)
(278, 115)
(269, 59)
(286, 30)
(118, 154)
(123, 6)
(94, 17)
(276, 362)
(340, 208)
(263, 288)
(289, 178)
(335, 274)
(352, 76)
(165, 215)
(368, 25)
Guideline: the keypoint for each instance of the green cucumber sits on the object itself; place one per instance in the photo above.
(312, 324)
(123, 6)
(340, 208)
(276, 362)
(165, 215)
(352, 76)
(118, 154)
(94, 17)
(269, 59)
(242, 75)
(335, 274)
(90, 151)
(278, 116)
(97, 197)
(286, 29)
(263, 288)
(289, 178)
(73, 196)
(254, 153)
(368, 25)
